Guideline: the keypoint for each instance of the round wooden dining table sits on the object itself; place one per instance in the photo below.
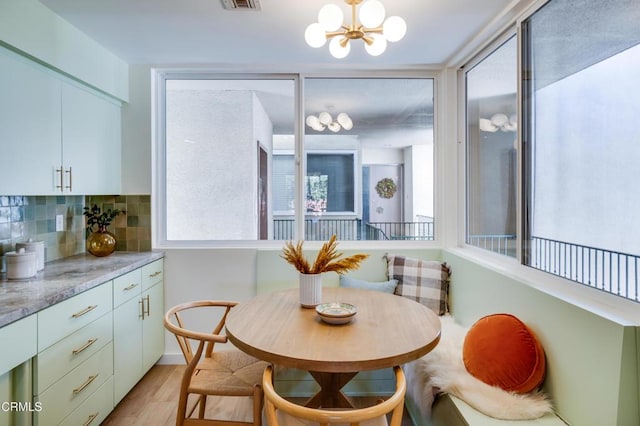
(387, 330)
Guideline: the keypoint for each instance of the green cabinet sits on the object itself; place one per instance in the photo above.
(138, 330)
(90, 142)
(30, 127)
(19, 342)
(59, 137)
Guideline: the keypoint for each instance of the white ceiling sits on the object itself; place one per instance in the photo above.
(202, 33)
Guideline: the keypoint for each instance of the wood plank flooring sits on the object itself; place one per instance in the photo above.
(154, 401)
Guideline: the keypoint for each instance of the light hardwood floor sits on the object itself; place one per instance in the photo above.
(154, 400)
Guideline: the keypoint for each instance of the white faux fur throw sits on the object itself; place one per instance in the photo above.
(442, 370)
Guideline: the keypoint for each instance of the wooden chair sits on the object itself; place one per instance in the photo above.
(213, 373)
(280, 412)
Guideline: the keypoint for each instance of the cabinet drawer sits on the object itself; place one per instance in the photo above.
(73, 350)
(95, 409)
(69, 392)
(19, 342)
(62, 319)
(126, 287)
(152, 273)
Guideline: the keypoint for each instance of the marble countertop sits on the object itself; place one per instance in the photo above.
(62, 279)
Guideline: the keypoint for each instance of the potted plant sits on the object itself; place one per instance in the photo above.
(327, 260)
(100, 242)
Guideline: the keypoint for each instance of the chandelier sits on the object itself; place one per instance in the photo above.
(325, 121)
(372, 30)
(499, 121)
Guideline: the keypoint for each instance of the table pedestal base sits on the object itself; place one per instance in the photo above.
(330, 394)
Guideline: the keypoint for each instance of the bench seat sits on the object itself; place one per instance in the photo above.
(447, 410)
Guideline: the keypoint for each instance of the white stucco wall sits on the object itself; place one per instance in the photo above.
(586, 192)
(217, 126)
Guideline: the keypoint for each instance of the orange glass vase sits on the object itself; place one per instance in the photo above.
(101, 243)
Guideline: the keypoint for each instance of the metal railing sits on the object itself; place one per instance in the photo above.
(399, 230)
(610, 271)
(353, 229)
(498, 243)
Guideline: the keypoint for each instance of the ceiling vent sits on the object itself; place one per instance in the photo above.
(242, 4)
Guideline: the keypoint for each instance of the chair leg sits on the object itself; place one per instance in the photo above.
(182, 409)
(203, 406)
(258, 401)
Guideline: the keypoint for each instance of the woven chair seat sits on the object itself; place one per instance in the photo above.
(230, 373)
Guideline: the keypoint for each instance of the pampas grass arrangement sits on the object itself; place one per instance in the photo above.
(328, 259)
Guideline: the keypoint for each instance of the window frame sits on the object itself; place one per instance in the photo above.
(159, 76)
(600, 303)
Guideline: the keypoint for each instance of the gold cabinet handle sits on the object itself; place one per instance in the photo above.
(85, 346)
(61, 171)
(131, 287)
(155, 274)
(141, 303)
(86, 383)
(148, 305)
(84, 311)
(91, 418)
(69, 187)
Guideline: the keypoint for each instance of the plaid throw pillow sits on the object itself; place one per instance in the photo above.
(425, 281)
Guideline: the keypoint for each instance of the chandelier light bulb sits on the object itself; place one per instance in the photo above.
(315, 35)
(371, 13)
(394, 28)
(325, 118)
(334, 127)
(330, 17)
(312, 121)
(336, 50)
(345, 121)
(487, 126)
(378, 46)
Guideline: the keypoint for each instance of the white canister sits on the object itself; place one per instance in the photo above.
(34, 246)
(21, 264)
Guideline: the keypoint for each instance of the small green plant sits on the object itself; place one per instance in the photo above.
(97, 218)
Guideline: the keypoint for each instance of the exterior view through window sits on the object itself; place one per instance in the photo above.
(366, 170)
(581, 132)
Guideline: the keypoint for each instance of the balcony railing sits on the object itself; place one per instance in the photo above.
(502, 244)
(606, 270)
(354, 229)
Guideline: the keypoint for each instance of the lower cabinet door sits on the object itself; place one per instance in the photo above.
(95, 409)
(153, 326)
(127, 347)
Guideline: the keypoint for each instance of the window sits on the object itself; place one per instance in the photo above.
(219, 140)
(228, 145)
(581, 136)
(491, 125)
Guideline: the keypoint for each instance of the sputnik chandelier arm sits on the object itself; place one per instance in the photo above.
(371, 29)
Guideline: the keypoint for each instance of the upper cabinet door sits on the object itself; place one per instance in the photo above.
(29, 128)
(91, 139)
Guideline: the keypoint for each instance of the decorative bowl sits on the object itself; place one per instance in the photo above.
(336, 312)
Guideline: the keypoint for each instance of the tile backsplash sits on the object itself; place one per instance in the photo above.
(34, 217)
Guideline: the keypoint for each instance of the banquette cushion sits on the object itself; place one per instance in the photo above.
(502, 351)
(384, 286)
(425, 281)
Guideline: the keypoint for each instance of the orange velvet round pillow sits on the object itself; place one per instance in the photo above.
(502, 351)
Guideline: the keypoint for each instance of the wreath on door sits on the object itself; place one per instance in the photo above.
(386, 188)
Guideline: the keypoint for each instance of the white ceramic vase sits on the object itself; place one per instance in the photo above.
(310, 290)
